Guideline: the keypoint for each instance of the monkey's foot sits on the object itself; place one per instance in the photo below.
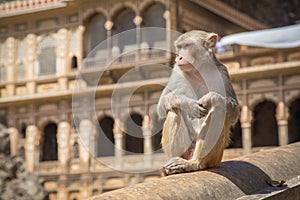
(179, 165)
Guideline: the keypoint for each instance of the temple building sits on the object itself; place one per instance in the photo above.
(45, 43)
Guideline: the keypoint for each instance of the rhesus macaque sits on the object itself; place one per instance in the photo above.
(195, 106)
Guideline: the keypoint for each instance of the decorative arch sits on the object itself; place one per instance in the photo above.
(293, 121)
(87, 14)
(134, 142)
(258, 98)
(153, 16)
(95, 31)
(75, 150)
(123, 21)
(264, 124)
(146, 4)
(49, 142)
(105, 136)
(291, 96)
(119, 7)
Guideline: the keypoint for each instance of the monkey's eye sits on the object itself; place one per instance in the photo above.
(179, 46)
(187, 46)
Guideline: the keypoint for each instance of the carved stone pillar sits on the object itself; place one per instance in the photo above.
(168, 27)
(14, 140)
(30, 58)
(147, 135)
(282, 121)
(108, 26)
(79, 53)
(62, 191)
(63, 140)
(246, 129)
(147, 141)
(61, 59)
(10, 66)
(118, 135)
(137, 21)
(31, 147)
(85, 130)
(86, 190)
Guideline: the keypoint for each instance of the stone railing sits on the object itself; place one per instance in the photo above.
(10, 8)
(248, 177)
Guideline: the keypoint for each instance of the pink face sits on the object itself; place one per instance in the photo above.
(185, 57)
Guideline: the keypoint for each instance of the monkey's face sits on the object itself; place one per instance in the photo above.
(186, 56)
(192, 47)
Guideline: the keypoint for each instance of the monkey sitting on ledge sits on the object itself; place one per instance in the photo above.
(199, 105)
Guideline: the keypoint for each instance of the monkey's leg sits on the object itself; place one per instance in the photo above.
(177, 144)
(212, 159)
(175, 137)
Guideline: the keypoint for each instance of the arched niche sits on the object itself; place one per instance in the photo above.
(264, 124)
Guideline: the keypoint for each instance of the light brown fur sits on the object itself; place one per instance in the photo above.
(187, 97)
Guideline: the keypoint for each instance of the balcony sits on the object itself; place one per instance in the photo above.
(11, 8)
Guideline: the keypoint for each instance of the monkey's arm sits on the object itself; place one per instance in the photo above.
(171, 101)
(232, 106)
(232, 110)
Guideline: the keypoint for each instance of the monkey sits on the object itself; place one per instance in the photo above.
(194, 104)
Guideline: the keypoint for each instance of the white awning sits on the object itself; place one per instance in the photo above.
(282, 37)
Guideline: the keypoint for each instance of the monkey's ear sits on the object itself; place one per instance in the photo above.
(211, 40)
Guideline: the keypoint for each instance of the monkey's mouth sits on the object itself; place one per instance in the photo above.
(182, 61)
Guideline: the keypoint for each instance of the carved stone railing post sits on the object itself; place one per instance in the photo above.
(246, 129)
(63, 139)
(282, 116)
(85, 130)
(14, 140)
(31, 147)
(147, 141)
(86, 186)
(62, 191)
(118, 135)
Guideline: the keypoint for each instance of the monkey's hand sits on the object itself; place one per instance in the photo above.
(193, 108)
(229, 104)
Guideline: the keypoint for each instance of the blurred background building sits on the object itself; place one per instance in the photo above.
(44, 42)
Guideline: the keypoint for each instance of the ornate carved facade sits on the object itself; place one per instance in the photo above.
(43, 44)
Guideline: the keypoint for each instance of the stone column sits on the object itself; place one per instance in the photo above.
(148, 149)
(282, 121)
(30, 59)
(137, 21)
(80, 31)
(61, 58)
(118, 135)
(147, 135)
(86, 190)
(10, 66)
(168, 27)
(246, 129)
(108, 26)
(62, 191)
(14, 141)
(85, 130)
(31, 147)
(63, 140)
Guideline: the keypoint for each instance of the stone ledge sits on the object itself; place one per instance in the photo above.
(241, 178)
